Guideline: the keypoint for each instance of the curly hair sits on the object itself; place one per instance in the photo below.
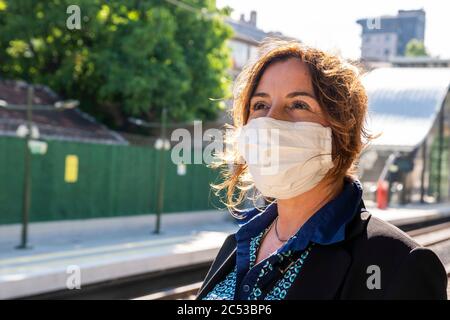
(340, 94)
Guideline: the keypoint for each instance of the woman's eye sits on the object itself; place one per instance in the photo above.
(259, 106)
(300, 105)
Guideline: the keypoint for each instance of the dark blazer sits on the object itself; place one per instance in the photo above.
(343, 270)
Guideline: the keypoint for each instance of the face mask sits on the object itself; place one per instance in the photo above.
(285, 159)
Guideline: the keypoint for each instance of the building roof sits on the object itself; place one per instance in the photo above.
(423, 61)
(404, 104)
(247, 32)
(70, 124)
(400, 14)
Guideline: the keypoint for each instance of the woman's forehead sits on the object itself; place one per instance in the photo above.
(285, 76)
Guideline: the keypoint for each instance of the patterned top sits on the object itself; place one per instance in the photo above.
(225, 290)
(275, 275)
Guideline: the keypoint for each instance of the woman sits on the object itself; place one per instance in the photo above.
(315, 240)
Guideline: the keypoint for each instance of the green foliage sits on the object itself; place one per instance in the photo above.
(130, 58)
(415, 48)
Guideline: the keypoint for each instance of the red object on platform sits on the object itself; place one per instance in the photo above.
(382, 194)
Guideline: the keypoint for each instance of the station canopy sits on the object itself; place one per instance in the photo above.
(404, 104)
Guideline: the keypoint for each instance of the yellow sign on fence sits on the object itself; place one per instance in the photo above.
(71, 172)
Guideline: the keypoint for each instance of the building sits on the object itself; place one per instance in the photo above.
(69, 124)
(387, 36)
(244, 46)
(246, 39)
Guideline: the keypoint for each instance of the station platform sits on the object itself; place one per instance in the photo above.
(114, 248)
(106, 249)
(412, 213)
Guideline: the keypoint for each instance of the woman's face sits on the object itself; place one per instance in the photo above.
(285, 92)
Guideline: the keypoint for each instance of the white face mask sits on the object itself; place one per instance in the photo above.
(285, 159)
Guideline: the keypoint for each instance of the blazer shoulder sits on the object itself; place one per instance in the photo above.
(380, 243)
(421, 275)
(408, 270)
(385, 233)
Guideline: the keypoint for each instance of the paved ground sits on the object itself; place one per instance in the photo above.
(79, 234)
(105, 249)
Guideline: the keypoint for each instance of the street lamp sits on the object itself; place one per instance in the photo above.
(162, 145)
(29, 135)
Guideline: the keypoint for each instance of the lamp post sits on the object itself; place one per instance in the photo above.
(162, 171)
(162, 145)
(27, 173)
(26, 201)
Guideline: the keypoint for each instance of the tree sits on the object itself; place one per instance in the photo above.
(129, 58)
(415, 48)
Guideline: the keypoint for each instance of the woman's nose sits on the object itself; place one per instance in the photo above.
(276, 111)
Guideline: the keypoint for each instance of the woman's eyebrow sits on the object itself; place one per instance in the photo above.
(260, 94)
(300, 93)
(290, 95)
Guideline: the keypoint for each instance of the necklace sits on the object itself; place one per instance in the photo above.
(276, 231)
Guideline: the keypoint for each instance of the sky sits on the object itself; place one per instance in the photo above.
(330, 25)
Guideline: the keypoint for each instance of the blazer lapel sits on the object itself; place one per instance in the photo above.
(225, 262)
(326, 267)
(322, 274)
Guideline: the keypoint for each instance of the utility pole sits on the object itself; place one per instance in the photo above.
(30, 148)
(27, 172)
(162, 173)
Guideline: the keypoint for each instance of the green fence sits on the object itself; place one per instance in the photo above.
(112, 181)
